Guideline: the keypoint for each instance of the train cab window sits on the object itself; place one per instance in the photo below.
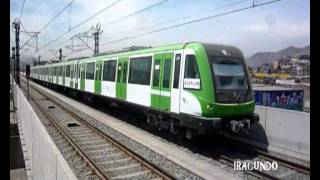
(166, 73)
(191, 68)
(177, 71)
(140, 70)
(90, 70)
(109, 70)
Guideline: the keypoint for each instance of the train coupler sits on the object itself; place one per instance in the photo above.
(239, 126)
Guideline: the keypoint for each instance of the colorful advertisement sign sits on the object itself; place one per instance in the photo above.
(286, 99)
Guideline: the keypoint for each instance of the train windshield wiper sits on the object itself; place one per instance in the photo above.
(240, 94)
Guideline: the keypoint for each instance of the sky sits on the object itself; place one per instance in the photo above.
(271, 27)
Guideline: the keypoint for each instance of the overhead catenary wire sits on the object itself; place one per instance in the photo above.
(185, 17)
(130, 37)
(111, 22)
(172, 20)
(56, 16)
(189, 22)
(81, 23)
(46, 25)
(21, 11)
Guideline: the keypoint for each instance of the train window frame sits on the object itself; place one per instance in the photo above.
(134, 74)
(109, 72)
(91, 74)
(177, 68)
(185, 72)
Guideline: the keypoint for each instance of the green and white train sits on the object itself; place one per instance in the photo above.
(190, 88)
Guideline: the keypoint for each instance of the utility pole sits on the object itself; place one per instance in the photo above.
(13, 76)
(60, 54)
(16, 25)
(13, 58)
(96, 35)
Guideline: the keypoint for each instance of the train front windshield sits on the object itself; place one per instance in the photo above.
(228, 73)
(230, 79)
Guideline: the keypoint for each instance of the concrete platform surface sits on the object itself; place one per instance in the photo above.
(42, 158)
(199, 167)
(18, 174)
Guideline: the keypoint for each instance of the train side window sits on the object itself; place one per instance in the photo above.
(71, 72)
(177, 71)
(68, 71)
(109, 70)
(191, 68)
(90, 70)
(140, 70)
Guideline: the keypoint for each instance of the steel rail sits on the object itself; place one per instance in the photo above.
(154, 169)
(99, 171)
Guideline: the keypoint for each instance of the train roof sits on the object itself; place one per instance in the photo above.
(211, 49)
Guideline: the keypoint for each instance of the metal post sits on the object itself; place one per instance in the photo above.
(27, 76)
(12, 77)
(96, 42)
(60, 54)
(17, 28)
(28, 88)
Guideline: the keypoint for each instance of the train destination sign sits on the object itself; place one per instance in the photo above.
(191, 83)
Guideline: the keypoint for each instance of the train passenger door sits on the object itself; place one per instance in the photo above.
(121, 86)
(64, 74)
(82, 76)
(97, 78)
(57, 74)
(76, 75)
(160, 88)
(71, 75)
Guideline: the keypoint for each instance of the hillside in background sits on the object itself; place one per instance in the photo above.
(268, 57)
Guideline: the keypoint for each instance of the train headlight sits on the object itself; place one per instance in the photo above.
(209, 107)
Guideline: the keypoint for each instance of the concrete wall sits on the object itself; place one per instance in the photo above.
(286, 129)
(46, 162)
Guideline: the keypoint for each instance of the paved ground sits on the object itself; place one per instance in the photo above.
(15, 174)
(18, 174)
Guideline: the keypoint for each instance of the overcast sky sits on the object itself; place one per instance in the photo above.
(267, 28)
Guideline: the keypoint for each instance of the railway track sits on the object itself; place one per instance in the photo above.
(95, 155)
(286, 169)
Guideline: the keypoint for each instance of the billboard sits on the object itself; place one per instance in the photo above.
(286, 99)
